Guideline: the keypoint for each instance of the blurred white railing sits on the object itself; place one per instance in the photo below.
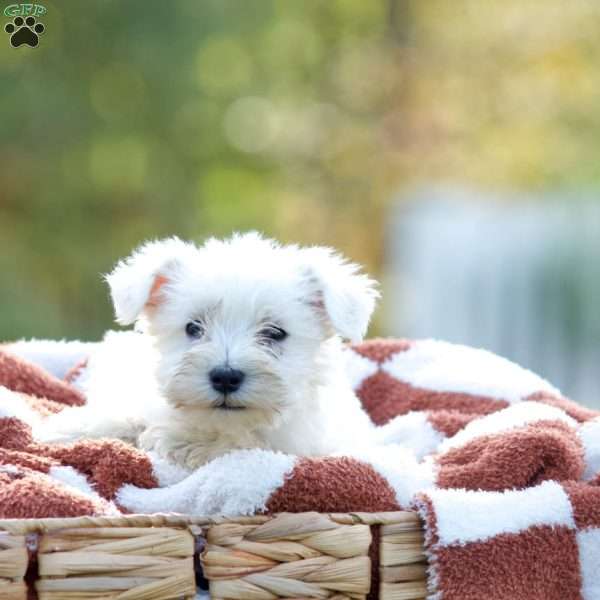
(517, 275)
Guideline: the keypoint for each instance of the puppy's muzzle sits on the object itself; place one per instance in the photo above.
(226, 380)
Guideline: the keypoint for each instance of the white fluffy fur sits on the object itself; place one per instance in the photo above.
(494, 513)
(228, 485)
(588, 544)
(401, 469)
(589, 433)
(414, 431)
(511, 417)
(166, 472)
(77, 483)
(447, 367)
(358, 368)
(153, 388)
(12, 404)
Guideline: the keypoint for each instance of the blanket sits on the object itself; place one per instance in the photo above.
(504, 470)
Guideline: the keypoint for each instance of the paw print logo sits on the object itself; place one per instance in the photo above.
(24, 31)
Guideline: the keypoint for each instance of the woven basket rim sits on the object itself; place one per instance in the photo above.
(24, 526)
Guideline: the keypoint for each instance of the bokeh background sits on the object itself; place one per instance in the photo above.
(451, 147)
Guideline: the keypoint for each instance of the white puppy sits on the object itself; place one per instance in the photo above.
(240, 347)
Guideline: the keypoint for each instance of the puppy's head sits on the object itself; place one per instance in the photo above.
(241, 324)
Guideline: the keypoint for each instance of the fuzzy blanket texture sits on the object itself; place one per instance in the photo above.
(505, 474)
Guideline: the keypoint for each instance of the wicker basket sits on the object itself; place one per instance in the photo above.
(13, 564)
(151, 557)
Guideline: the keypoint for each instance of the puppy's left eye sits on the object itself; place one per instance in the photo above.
(273, 334)
(194, 329)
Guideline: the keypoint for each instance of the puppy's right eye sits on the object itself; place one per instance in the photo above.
(194, 329)
(272, 333)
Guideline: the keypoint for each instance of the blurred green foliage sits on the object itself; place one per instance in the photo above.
(135, 120)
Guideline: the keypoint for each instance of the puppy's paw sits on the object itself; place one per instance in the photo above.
(78, 423)
(175, 450)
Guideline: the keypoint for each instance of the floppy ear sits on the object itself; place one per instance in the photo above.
(340, 292)
(136, 283)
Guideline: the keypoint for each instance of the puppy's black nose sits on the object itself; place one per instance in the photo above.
(225, 379)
